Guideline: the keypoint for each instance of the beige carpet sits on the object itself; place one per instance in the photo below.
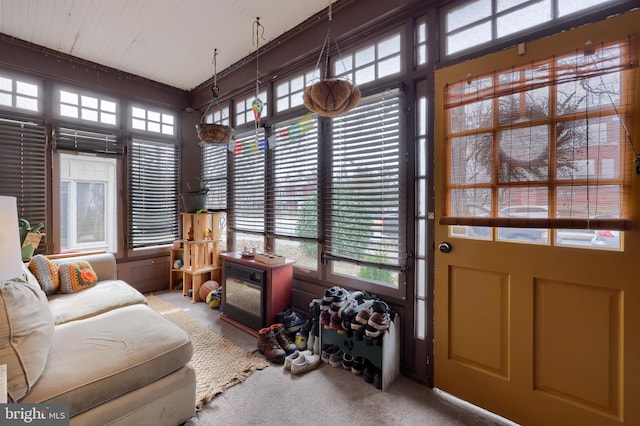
(219, 363)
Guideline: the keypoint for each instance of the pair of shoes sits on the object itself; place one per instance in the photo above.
(293, 356)
(347, 361)
(335, 359)
(358, 365)
(291, 320)
(327, 351)
(274, 343)
(268, 346)
(302, 362)
(377, 324)
(325, 318)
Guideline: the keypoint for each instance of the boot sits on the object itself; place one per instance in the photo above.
(268, 345)
(282, 339)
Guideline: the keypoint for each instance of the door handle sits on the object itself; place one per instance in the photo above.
(444, 247)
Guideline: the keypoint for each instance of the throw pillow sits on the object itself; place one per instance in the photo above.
(76, 276)
(26, 333)
(46, 273)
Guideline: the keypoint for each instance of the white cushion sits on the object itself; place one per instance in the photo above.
(26, 333)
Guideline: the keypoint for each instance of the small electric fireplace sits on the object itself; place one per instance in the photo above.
(244, 294)
(253, 292)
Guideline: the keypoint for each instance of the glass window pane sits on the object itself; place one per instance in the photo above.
(89, 102)
(6, 84)
(389, 47)
(27, 103)
(167, 119)
(89, 114)
(26, 89)
(139, 124)
(520, 19)
(138, 112)
(365, 56)
(153, 116)
(389, 67)
(568, 7)
(467, 13)
(68, 111)
(468, 38)
(68, 97)
(5, 99)
(304, 253)
(107, 106)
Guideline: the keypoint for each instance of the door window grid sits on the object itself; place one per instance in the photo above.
(542, 163)
(375, 61)
(289, 92)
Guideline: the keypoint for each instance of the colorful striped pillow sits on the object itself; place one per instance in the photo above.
(46, 272)
(76, 276)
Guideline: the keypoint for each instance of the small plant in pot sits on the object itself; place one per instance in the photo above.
(195, 199)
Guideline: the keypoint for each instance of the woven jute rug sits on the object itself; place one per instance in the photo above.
(219, 363)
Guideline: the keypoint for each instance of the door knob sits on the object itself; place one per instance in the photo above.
(444, 247)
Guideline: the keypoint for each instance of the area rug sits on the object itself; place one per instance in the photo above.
(219, 363)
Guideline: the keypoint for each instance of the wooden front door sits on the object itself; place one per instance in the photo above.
(539, 333)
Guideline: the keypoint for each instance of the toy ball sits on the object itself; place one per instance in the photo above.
(213, 299)
(206, 287)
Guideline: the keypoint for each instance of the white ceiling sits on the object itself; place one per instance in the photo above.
(168, 41)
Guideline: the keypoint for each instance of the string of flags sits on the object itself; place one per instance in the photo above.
(293, 131)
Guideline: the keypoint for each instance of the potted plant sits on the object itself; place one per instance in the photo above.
(195, 199)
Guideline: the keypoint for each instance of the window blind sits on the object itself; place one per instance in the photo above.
(364, 190)
(22, 168)
(88, 141)
(549, 136)
(247, 209)
(153, 193)
(214, 171)
(293, 191)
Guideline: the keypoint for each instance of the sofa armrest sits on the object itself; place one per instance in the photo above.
(104, 264)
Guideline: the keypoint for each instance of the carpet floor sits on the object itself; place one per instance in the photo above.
(219, 363)
(326, 395)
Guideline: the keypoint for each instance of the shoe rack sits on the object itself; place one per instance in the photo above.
(200, 253)
(385, 357)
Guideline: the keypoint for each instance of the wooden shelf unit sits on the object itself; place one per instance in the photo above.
(200, 252)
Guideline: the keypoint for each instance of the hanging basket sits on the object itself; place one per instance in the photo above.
(331, 97)
(214, 133)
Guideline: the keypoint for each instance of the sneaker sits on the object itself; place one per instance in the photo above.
(347, 361)
(305, 362)
(335, 359)
(379, 321)
(358, 365)
(368, 373)
(325, 318)
(335, 323)
(361, 319)
(377, 379)
(327, 351)
(290, 358)
(292, 321)
(339, 299)
(329, 293)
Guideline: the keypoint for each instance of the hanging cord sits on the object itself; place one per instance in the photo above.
(259, 33)
(214, 88)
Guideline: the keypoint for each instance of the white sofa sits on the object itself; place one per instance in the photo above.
(113, 359)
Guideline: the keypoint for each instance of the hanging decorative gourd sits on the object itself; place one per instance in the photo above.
(330, 97)
(213, 132)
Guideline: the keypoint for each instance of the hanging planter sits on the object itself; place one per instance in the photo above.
(213, 132)
(330, 97)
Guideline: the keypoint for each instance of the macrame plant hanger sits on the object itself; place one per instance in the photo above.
(330, 97)
(212, 132)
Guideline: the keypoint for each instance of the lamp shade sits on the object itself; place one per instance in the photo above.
(10, 254)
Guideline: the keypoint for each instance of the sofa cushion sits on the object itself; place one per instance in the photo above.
(105, 356)
(26, 333)
(46, 272)
(104, 296)
(76, 276)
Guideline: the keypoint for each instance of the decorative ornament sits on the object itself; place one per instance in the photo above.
(330, 97)
(212, 132)
(257, 105)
